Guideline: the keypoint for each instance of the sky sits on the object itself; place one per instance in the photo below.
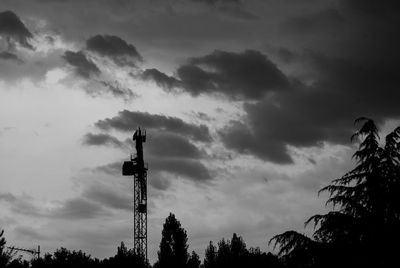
(248, 105)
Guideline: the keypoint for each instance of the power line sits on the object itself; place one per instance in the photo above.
(31, 251)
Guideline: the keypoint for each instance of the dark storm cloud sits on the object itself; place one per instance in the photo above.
(4, 55)
(159, 182)
(84, 67)
(181, 31)
(322, 112)
(32, 66)
(96, 88)
(115, 48)
(188, 168)
(234, 8)
(160, 78)
(204, 117)
(381, 8)
(164, 144)
(321, 22)
(14, 30)
(214, 2)
(249, 74)
(129, 121)
(77, 208)
(28, 233)
(20, 204)
(102, 139)
(271, 126)
(108, 197)
(73, 208)
(242, 139)
(117, 90)
(286, 55)
(114, 169)
(166, 152)
(355, 75)
(351, 78)
(193, 170)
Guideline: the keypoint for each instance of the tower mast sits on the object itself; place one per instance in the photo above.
(137, 168)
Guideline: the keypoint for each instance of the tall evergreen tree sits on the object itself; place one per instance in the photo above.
(173, 246)
(238, 247)
(364, 227)
(210, 257)
(224, 256)
(194, 261)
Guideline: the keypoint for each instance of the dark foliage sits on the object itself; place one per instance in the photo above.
(364, 227)
(210, 258)
(64, 258)
(124, 258)
(173, 246)
(5, 255)
(362, 230)
(194, 261)
(173, 252)
(233, 253)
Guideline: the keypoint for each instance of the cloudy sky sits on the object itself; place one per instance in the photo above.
(248, 106)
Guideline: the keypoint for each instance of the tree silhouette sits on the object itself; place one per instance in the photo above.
(257, 259)
(124, 258)
(233, 253)
(364, 226)
(238, 248)
(210, 258)
(194, 261)
(66, 258)
(173, 246)
(5, 254)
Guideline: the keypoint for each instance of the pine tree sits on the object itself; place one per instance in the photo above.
(210, 256)
(364, 226)
(238, 247)
(194, 261)
(173, 246)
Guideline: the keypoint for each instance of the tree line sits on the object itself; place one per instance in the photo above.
(361, 230)
(173, 253)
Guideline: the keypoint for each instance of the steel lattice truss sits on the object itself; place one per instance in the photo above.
(140, 215)
(136, 168)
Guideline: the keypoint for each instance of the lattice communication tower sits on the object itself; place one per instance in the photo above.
(138, 169)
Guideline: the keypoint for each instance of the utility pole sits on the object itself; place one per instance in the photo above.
(31, 251)
(137, 168)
